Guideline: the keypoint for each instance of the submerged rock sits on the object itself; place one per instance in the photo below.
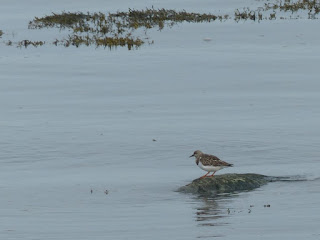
(225, 183)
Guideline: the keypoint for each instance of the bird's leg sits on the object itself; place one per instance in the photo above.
(205, 175)
(212, 174)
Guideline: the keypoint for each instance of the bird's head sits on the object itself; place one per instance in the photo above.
(196, 154)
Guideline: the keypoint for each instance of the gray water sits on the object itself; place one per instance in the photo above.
(76, 122)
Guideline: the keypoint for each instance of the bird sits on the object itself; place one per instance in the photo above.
(209, 163)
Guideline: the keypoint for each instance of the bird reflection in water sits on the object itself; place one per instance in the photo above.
(212, 213)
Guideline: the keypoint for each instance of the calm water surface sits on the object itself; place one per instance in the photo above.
(76, 120)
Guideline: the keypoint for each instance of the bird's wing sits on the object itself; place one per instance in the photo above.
(212, 160)
(223, 163)
(213, 157)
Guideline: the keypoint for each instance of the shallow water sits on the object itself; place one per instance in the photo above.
(76, 120)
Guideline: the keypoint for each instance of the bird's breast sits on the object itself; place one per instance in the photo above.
(209, 168)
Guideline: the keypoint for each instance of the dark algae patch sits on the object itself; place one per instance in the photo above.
(129, 29)
(225, 183)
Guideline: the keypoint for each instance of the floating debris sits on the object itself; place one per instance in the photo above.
(106, 192)
(26, 43)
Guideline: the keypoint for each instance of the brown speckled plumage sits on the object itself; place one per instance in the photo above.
(209, 163)
(209, 160)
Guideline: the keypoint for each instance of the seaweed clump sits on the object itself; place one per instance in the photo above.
(62, 20)
(294, 6)
(311, 7)
(124, 28)
(26, 43)
(114, 29)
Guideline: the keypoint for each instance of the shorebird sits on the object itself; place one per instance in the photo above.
(209, 163)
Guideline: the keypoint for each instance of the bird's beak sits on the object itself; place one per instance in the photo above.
(191, 156)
